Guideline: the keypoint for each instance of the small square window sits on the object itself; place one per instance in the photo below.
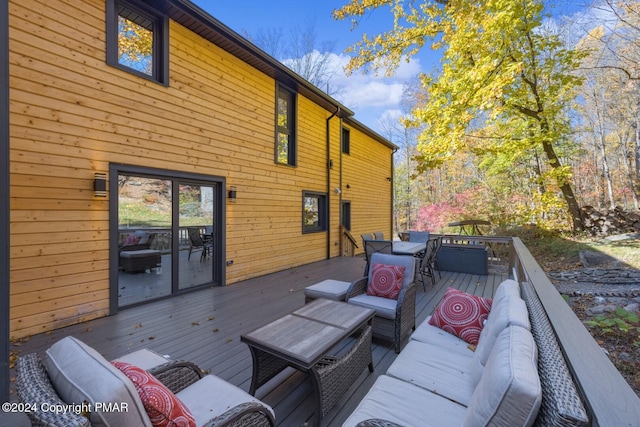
(314, 212)
(285, 127)
(137, 40)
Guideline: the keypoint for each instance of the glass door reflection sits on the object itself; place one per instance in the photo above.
(197, 240)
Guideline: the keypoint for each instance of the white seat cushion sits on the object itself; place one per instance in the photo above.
(211, 396)
(384, 307)
(509, 392)
(433, 335)
(331, 289)
(405, 404)
(80, 374)
(443, 371)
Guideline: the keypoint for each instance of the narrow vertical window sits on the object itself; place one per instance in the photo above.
(285, 127)
(346, 141)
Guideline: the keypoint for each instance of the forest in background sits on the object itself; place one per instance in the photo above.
(601, 150)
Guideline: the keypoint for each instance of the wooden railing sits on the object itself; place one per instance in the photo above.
(609, 399)
(348, 243)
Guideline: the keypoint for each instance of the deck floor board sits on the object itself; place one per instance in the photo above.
(205, 327)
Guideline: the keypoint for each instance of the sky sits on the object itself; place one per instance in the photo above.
(374, 99)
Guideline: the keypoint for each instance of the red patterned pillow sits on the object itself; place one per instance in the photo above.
(385, 280)
(163, 407)
(462, 314)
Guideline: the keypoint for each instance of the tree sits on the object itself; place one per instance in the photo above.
(301, 51)
(505, 85)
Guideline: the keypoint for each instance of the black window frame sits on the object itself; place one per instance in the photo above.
(160, 29)
(345, 214)
(322, 212)
(283, 91)
(345, 138)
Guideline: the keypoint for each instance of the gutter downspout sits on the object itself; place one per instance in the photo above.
(5, 209)
(393, 192)
(329, 166)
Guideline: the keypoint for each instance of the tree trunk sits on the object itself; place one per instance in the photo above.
(626, 158)
(565, 187)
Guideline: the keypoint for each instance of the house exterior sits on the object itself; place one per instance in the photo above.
(206, 122)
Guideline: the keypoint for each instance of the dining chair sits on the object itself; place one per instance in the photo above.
(375, 246)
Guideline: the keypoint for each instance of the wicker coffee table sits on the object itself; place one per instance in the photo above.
(303, 340)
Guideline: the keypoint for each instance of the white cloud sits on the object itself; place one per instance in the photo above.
(360, 90)
(374, 98)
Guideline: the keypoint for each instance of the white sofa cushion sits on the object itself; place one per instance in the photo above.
(509, 392)
(440, 370)
(211, 396)
(433, 335)
(80, 374)
(405, 404)
(508, 287)
(384, 307)
(509, 310)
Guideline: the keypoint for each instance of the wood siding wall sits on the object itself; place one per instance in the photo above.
(72, 115)
(368, 172)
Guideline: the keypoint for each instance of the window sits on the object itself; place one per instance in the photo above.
(137, 40)
(314, 212)
(345, 219)
(346, 140)
(285, 127)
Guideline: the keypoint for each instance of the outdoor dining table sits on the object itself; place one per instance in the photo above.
(408, 248)
(302, 339)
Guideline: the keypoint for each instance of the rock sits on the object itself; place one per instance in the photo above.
(632, 307)
(590, 259)
(626, 357)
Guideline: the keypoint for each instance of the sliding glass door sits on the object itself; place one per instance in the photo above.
(169, 234)
(196, 206)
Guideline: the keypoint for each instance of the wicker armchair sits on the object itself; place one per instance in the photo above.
(397, 326)
(33, 386)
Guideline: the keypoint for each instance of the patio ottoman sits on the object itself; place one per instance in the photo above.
(136, 261)
(330, 289)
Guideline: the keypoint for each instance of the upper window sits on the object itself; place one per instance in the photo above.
(285, 127)
(314, 212)
(346, 140)
(137, 40)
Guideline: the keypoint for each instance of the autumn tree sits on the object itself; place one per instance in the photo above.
(503, 89)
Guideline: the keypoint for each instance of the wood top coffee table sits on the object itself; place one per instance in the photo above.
(303, 340)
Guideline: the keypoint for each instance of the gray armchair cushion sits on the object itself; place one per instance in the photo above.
(80, 374)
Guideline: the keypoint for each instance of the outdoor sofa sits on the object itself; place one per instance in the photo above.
(515, 377)
(96, 392)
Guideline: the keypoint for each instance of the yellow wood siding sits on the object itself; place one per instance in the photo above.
(71, 115)
(366, 171)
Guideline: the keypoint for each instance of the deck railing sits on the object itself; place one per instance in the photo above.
(608, 398)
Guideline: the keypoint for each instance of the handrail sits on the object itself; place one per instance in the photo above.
(609, 399)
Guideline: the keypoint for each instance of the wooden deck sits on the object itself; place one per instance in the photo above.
(205, 327)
